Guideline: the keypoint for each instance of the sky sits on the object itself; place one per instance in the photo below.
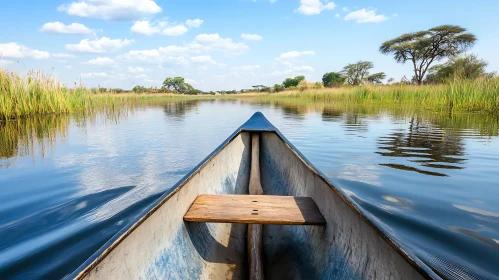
(222, 44)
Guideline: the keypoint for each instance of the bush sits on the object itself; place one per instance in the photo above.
(278, 88)
(303, 85)
(318, 85)
(139, 89)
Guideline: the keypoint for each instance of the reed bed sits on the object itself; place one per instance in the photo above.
(457, 94)
(39, 94)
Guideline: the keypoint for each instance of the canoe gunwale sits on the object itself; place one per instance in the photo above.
(257, 123)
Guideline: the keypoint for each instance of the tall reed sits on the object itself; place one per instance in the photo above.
(39, 94)
(458, 94)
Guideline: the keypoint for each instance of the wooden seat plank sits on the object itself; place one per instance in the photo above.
(255, 209)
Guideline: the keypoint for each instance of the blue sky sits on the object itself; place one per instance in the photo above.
(226, 44)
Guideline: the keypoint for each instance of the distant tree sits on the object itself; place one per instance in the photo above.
(425, 47)
(278, 88)
(333, 79)
(356, 73)
(139, 89)
(468, 67)
(391, 80)
(259, 87)
(303, 85)
(404, 80)
(376, 78)
(177, 84)
(317, 85)
(293, 82)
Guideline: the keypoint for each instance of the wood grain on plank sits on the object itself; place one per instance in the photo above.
(255, 209)
(255, 231)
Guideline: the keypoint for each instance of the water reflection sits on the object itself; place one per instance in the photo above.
(178, 110)
(29, 136)
(355, 122)
(331, 115)
(424, 145)
(71, 201)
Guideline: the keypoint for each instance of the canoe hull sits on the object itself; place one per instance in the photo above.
(161, 245)
(346, 248)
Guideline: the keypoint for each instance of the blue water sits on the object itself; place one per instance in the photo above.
(68, 184)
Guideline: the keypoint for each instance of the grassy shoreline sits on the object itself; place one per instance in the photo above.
(39, 94)
(457, 95)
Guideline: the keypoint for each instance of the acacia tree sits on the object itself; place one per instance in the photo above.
(425, 47)
(355, 73)
(376, 78)
(293, 82)
(358, 73)
(177, 84)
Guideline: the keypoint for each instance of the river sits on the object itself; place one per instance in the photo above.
(69, 183)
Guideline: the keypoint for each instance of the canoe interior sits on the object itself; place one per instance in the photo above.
(161, 245)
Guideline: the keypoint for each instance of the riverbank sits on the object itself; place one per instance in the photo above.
(457, 95)
(39, 94)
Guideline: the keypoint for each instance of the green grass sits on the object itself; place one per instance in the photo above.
(458, 94)
(40, 94)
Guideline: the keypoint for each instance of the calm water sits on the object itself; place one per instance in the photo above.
(68, 184)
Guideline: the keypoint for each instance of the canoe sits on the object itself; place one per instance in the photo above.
(254, 208)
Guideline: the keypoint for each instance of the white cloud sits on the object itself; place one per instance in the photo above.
(175, 30)
(15, 50)
(337, 15)
(112, 9)
(94, 75)
(395, 15)
(345, 9)
(174, 54)
(203, 59)
(315, 7)
(59, 27)
(135, 70)
(102, 45)
(295, 54)
(203, 43)
(62, 55)
(251, 37)
(214, 42)
(194, 22)
(145, 27)
(68, 67)
(102, 62)
(365, 16)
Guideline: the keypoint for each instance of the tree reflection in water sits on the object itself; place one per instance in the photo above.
(424, 145)
(177, 110)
